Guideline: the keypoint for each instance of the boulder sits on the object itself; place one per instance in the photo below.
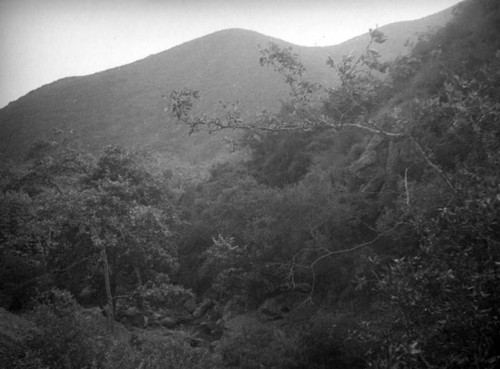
(272, 309)
(190, 304)
(207, 328)
(239, 326)
(230, 310)
(168, 322)
(132, 316)
(202, 308)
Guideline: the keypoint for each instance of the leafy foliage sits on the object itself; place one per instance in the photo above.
(377, 202)
(279, 160)
(78, 208)
(428, 192)
(266, 347)
(67, 338)
(324, 345)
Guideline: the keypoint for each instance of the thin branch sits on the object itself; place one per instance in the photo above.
(407, 201)
(375, 129)
(330, 254)
(355, 248)
(438, 170)
(71, 266)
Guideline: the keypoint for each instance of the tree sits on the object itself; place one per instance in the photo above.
(80, 220)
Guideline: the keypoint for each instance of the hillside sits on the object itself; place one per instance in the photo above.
(126, 105)
(361, 232)
(401, 36)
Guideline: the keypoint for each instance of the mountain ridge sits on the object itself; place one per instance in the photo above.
(126, 104)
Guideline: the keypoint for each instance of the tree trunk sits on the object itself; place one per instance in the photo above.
(138, 275)
(109, 305)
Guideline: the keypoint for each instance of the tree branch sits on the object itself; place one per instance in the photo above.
(354, 248)
(438, 170)
(311, 266)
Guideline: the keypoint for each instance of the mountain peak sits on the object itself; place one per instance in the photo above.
(126, 105)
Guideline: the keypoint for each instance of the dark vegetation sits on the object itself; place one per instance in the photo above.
(362, 230)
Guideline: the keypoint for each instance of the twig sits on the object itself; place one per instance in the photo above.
(438, 170)
(357, 247)
(407, 202)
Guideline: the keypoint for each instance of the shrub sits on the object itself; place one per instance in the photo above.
(173, 353)
(161, 293)
(267, 347)
(327, 344)
(67, 339)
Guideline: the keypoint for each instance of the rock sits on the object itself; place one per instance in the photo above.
(202, 308)
(131, 311)
(239, 326)
(155, 317)
(168, 322)
(271, 309)
(207, 327)
(243, 323)
(230, 310)
(369, 156)
(197, 342)
(132, 316)
(190, 304)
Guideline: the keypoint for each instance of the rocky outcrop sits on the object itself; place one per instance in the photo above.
(370, 168)
(369, 156)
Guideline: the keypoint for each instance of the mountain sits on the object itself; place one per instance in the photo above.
(126, 105)
(401, 36)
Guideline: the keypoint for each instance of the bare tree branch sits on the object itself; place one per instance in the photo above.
(329, 253)
(438, 170)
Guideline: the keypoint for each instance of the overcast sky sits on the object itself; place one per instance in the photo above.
(45, 40)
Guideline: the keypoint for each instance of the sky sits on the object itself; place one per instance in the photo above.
(44, 40)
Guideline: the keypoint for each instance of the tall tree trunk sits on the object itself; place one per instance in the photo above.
(138, 275)
(109, 297)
